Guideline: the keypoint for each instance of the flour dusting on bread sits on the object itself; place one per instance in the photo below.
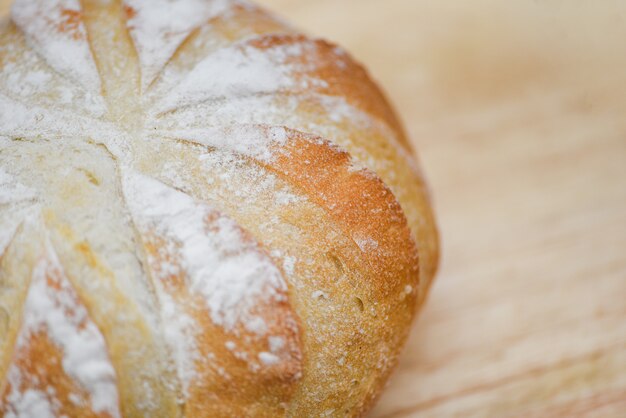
(158, 27)
(56, 30)
(53, 311)
(227, 201)
(222, 265)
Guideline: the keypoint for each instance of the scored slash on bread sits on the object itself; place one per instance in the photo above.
(231, 207)
(224, 303)
(59, 353)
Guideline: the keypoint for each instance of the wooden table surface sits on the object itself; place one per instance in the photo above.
(517, 110)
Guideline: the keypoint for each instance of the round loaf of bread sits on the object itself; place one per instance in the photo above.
(203, 213)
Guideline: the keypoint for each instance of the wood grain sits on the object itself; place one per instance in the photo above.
(517, 110)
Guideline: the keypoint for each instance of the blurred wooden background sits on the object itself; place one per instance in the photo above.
(517, 110)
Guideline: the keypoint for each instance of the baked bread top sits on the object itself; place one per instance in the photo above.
(203, 213)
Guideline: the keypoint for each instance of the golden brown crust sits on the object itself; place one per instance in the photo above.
(230, 381)
(373, 300)
(39, 362)
(340, 74)
(360, 204)
(358, 201)
(308, 160)
(16, 264)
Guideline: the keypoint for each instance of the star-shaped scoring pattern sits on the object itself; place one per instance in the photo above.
(147, 122)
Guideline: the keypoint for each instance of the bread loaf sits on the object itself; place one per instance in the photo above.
(203, 213)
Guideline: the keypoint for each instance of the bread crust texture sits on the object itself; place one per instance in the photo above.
(203, 213)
